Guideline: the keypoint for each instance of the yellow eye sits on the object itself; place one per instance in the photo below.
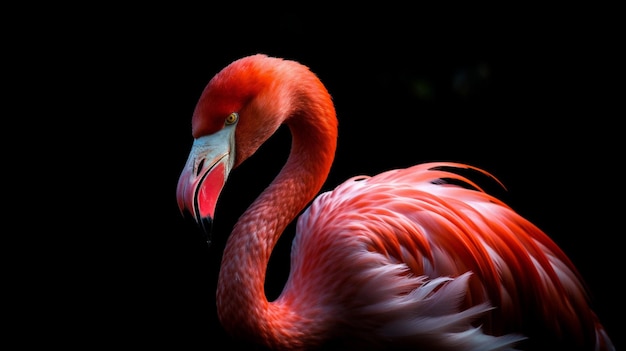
(232, 118)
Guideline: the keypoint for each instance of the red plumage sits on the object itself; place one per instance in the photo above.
(415, 258)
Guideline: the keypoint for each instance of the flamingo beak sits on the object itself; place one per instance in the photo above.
(204, 176)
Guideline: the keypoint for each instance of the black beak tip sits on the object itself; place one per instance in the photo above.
(206, 224)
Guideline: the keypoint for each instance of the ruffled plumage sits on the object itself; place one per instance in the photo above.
(435, 262)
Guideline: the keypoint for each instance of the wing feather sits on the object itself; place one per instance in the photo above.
(435, 256)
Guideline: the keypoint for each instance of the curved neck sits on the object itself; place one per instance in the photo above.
(242, 305)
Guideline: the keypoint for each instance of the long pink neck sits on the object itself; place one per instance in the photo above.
(242, 305)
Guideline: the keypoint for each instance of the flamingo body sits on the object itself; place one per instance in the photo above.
(415, 258)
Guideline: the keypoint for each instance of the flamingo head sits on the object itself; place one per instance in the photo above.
(238, 110)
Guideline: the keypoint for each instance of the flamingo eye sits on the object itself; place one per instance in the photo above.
(232, 118)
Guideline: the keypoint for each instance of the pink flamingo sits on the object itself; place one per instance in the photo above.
(407, 259)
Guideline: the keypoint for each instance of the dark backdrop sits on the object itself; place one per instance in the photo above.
(525, 94)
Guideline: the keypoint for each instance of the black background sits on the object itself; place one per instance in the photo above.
(527, 94)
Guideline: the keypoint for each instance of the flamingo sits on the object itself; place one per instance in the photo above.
(419, 258)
